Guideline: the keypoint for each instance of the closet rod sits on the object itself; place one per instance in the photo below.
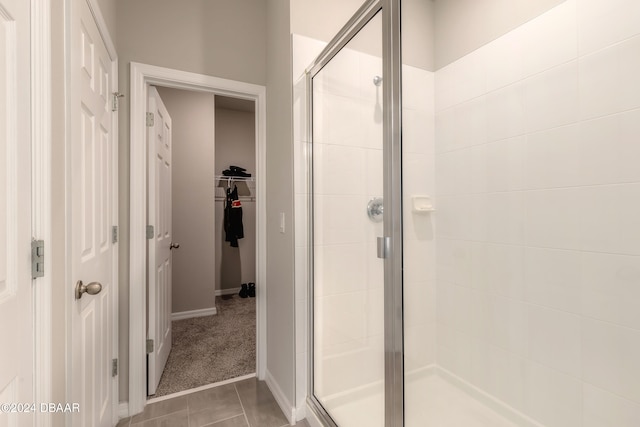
(241, 198)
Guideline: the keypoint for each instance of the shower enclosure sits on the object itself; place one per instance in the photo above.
(473, 204)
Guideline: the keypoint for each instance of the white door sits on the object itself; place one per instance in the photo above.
(159, 208)
(92, 197)
(16, 312)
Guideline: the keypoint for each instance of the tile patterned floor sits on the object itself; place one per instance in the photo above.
(247, 403)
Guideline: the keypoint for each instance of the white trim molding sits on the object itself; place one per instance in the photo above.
(41, 198)
(182, 315)
(94, 7)
(287, 408)
(202, 388)
(142, 76)
(230, 291)
(123, 410)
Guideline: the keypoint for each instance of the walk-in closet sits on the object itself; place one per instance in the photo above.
(213, 255)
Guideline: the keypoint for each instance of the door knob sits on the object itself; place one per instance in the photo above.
(91, 289)
(174, 245)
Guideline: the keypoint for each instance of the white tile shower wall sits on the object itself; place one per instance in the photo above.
(348, 160)
(418, 179)
(304, 51)
(538, 195)
(347, 173)
(301, 253)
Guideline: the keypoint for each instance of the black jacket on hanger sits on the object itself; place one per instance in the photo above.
(233, 227)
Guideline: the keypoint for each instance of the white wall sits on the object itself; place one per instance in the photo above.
(418, 179)
(225, 38)
(462, 26)
(280, 290)
(108, 10)
(192, 183)
(538, 189)
(235, 145)
(321, 20)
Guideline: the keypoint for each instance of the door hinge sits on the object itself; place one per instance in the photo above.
(37, 258)
(114, 100)
(149, 346)
(114, 234)
(150, 232)
(150, 119)
(114, 367)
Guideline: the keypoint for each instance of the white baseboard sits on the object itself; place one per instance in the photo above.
(123, 410)
(229, 291)
(194, 313)
(301, 411)
(287, 408)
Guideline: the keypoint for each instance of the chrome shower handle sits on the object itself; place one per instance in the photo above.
(375, 209)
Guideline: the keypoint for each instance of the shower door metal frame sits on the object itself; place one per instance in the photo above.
(392, 193)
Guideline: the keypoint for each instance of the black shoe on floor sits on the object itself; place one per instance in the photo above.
(244, 292)
(252, 290)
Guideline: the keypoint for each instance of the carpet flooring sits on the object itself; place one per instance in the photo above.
(209, 349)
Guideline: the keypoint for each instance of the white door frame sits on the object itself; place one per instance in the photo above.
(142, 76)
(69, 288)
(41, 198)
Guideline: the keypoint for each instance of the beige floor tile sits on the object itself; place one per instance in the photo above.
(223, 399)
(230, 405)
(259, 405)
(160, 409)
(211, 416)
(238, 421)
(176, 419)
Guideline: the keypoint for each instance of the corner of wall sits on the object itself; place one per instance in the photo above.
(290, 412)
(279, 201)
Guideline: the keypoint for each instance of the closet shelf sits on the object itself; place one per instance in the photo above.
(235, 178)
(246, 187)
(241, 198)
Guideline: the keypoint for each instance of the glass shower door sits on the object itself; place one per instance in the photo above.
(348, 362)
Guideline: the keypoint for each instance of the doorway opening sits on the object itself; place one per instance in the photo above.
(207, 284)
(233, 97)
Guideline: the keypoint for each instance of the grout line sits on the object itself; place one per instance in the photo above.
(219, 421)
(242, 406)
(186, 408)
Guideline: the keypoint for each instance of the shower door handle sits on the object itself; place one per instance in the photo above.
(384, 247)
